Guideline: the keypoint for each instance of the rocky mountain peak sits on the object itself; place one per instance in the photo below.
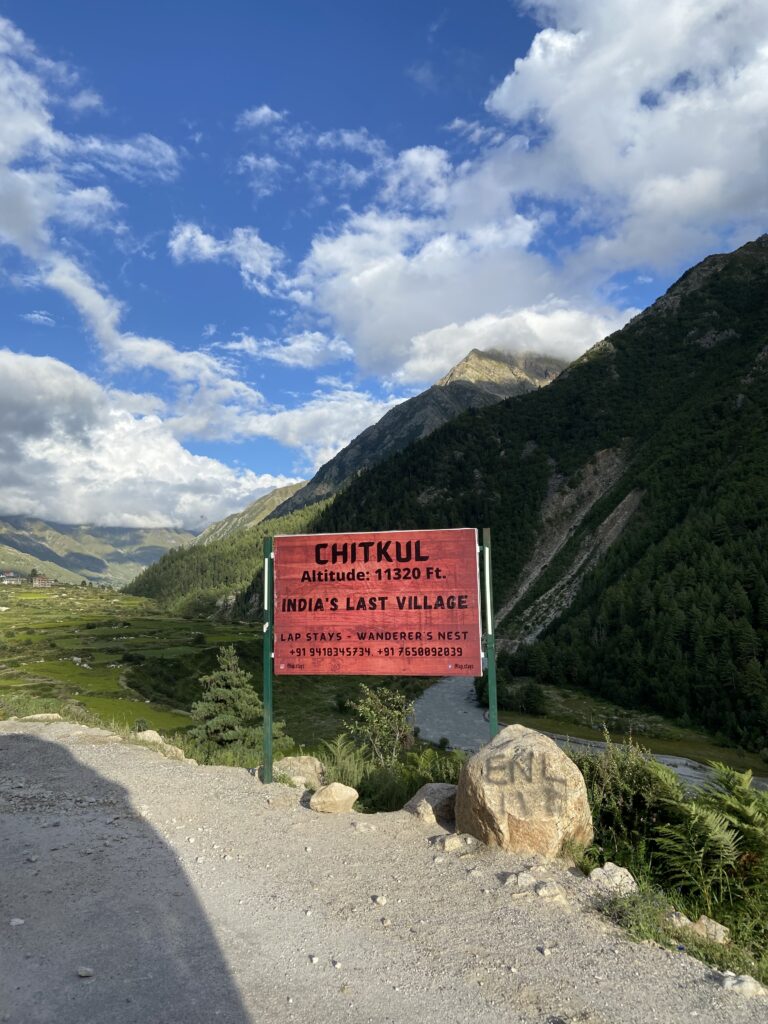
(496, 367)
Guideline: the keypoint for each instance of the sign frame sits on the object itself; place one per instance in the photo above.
(487, 638)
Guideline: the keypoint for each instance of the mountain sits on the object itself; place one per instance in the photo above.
(479, 380)
(250, 516)
(628, 502)
(112, 555)
(202, 581)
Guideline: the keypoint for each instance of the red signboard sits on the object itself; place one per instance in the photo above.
(404, 603)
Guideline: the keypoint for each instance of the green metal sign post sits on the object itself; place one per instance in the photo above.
(269, 640)
(490, 634)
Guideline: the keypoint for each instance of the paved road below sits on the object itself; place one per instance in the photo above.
(449, 709)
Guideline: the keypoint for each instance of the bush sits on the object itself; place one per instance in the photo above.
(630, 795)
(381, 724)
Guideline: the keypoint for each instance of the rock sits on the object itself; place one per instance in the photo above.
(334, 799)
(677, 920)
(454, 841)
(434, 803)
(744, 984)
(53, 717)
(380, 901)
(520, 792)
(306, 772)
(711, 930)
(85, 972)
(551, 892)
(520, 879)
(174, 752)
(150, 736)
(613, 879)
(16, 921)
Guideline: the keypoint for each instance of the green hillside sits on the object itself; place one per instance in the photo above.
(638, 482)
(110, 555)
(202, 578)
(628, 502)
(250, 516)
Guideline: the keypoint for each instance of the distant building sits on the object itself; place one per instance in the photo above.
(9, 578)
(43, 581)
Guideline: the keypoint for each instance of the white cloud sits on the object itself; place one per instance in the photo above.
(257, 260)
(259, 117)
(39, 317)
(74, 452)
(549, 329)
(142, 158)
(649, 119)
(385, 278)
(423, 74)
(86, 100)
(323, 425)
(308, 349)
(263, 173)
(475, 132)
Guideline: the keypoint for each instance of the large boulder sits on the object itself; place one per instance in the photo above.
(434, 803)
(333, 799)
(303, 771)
(521, 793)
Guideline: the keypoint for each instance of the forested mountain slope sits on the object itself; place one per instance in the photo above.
(250, 516)
(628, 502)
(202, 578)
(479, 380)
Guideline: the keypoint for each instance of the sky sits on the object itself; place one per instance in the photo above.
(232, 236)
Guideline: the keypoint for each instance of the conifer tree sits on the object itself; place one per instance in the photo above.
(230, 710)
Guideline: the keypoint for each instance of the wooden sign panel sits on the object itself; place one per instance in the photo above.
(397, 603)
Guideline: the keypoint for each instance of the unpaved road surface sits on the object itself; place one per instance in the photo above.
(198, 895)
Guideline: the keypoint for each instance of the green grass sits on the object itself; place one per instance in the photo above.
(127, 712)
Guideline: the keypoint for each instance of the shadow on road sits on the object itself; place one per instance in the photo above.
(96, 887)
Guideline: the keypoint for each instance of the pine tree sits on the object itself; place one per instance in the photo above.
(230, 710)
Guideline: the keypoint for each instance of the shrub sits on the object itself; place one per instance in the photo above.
(381, 724)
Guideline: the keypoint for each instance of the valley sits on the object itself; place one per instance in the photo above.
(105, 657)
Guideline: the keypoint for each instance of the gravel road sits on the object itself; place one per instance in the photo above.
(190, 895)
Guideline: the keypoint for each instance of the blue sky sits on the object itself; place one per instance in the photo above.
(231, 237)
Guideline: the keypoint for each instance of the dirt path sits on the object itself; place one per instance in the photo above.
(197, 895)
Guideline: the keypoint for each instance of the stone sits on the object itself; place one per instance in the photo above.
(711, 930)
(610, 878)
(52, 717)
(454, 841)
(677, 920)
(380, 901)
(434, 803)
(520, 879)
(16, 921)
(305, 772)
(150, 736)
(520, 792)
(551, 892)
(744, 984)
(85, 972)
(334, 799)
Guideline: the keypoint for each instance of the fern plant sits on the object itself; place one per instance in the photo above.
(344, 761)
(698, 856)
